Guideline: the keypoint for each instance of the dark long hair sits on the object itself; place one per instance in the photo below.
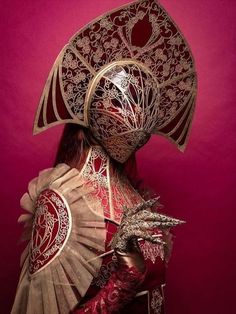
(74, 141)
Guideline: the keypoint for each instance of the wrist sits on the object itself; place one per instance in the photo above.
(131, 260)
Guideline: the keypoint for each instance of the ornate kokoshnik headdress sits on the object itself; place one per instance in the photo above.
(125, 75)
(132, 66)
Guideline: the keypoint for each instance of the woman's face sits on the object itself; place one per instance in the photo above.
(123, 110)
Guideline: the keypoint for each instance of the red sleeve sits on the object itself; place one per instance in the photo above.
(119, 290)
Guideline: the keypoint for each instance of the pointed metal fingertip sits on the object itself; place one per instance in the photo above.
(154, 200)
(177, 222)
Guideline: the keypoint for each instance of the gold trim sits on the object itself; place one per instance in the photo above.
(112, 251)
(86, 162)
(190, 100)
(141, 293)
(67, 236)
(111, 206)
(48, 126)
(45, 100)
(192, 93)
(46, 89)
(54, 103)
(183, 146)
(62, 88)
(186, 127)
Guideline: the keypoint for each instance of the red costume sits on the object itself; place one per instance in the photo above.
(95, 245)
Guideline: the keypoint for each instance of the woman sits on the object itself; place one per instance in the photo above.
(123, 271)
(96, 246)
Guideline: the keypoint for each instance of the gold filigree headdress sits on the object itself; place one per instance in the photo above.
(132, 62)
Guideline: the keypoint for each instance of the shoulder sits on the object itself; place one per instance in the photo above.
(62, 179)
(65, 241)
(50, 196)
(58, 216)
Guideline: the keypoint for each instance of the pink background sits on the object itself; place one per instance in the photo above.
(198, 186)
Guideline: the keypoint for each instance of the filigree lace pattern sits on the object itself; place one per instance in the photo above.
(151, 251)
(66, 241)
(156, 301)
(75, 78)
(105, 273)
(118, 291)
(111, 190)
(160, 55)
(51, 226)
(123, 109)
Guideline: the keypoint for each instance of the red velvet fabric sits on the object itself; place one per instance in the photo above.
(119, 291)
(115, 287)
(197, 186)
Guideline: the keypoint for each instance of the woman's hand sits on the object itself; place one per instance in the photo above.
(137, 222)
(140, 222)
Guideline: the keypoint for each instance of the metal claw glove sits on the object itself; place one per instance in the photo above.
(139, 222)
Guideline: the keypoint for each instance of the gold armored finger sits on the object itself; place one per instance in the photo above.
(147, 215)
(141, 206)
(149, 203)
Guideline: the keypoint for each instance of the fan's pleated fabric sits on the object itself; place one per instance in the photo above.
(59, 286)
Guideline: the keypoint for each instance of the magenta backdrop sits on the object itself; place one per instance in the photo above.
(198, 186)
